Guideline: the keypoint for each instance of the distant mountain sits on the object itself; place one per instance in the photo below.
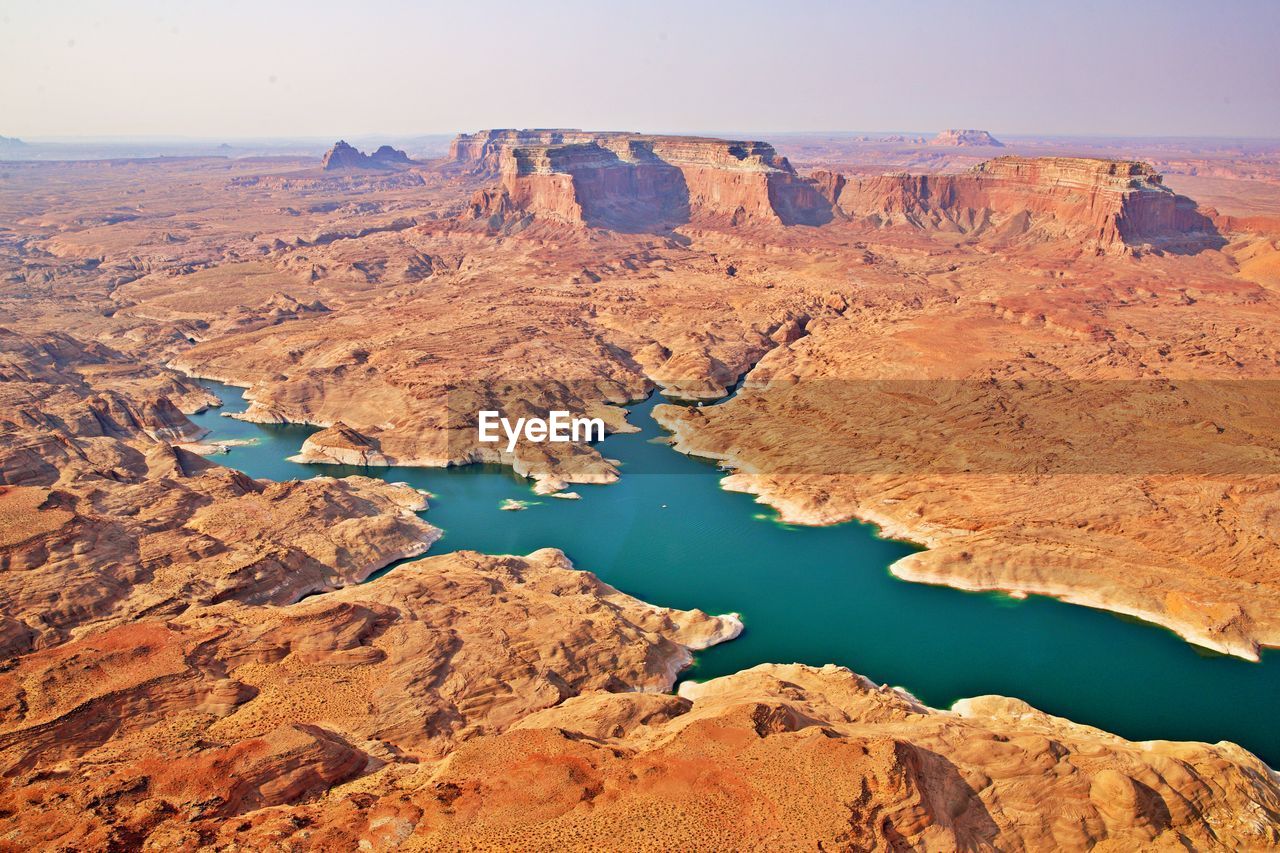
(344, 156)
(966, 138)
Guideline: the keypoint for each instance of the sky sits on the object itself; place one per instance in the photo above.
(239, 69)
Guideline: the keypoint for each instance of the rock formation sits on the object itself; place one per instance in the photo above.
(481, 153)
(775, 755)
(340, 445)
(71, 409)
(387, 154)
(795, 756)
(104, 519)
(344, 156)
(1107, 205)
(953, 138)
(230, 708)
(630, 182)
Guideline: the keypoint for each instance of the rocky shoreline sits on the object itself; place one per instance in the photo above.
(917, 568)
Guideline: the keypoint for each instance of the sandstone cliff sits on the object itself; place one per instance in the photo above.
(1105, 205)
(631, 182)
(481, 152)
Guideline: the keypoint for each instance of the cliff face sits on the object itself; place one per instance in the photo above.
(1109, 205)
(631, 182)
(481, 152)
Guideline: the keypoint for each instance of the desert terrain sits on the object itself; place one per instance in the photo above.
(1052, 363)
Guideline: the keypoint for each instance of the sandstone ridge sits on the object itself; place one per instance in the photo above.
(631, 182)
(635, 182)
(1110, 206)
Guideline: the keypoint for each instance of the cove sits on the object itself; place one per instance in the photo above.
(668, 534)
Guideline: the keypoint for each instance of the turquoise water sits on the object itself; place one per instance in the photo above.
(820, 595)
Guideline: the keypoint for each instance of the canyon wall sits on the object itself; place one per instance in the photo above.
(1109, 205)
(481, 152)
(631, 182)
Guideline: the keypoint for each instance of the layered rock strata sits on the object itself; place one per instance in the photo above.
(1106, 205)
(103, 520)
(628, 181)
(777, 756)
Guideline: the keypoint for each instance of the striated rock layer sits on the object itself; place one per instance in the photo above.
(233, 708)
(104, 521)
(775, 757)
(628, 181)
(1107, 205)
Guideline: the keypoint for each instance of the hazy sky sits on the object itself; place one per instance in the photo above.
(236, 68)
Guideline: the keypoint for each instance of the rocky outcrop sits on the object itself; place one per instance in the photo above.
(632, 182)
(953, 138)
(788, 757)
(1107, 205)
(387, 154)
(481, 153)
(168, 543)
(340, 445)
(344, 156)
(232, 708)
(775, 757)
(103, 520)
(70, 409)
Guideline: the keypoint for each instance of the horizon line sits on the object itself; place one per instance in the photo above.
(56, 139)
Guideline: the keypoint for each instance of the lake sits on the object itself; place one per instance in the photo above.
(669, 535)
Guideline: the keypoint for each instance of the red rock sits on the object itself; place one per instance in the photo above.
(631, 182)
(1109, 205)
(291, 764)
